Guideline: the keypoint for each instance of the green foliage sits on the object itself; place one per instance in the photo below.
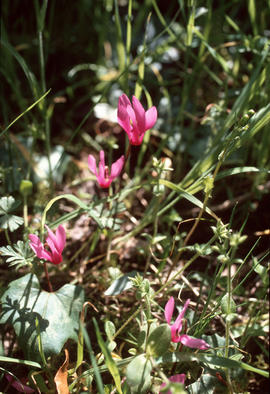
(158, 341)
(57, 314)
(207, 72)
(18, 255)
(7, 219)
(138, 374)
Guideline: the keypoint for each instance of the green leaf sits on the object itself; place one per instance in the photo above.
(226, 306)
(13, 360)
(7, 220)
(57, 313)
(27, 109)
(77, 201)
(112, 367)
(109, 329)
(188, 196)
(121, 284)
(18, 254)
(206, 384)
(159, 341)
(138, 373)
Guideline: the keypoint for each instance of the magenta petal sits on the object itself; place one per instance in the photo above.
(178, 378)
(51, 235)
(36, 245)
(117, 167)
(183, 311)
(104, 183)
(169, 307)
(150, 118)
(193, 343)
(92, 164)
(122, 114)
(124, 101)
(61, 238)
(101, 165)
(139, 113)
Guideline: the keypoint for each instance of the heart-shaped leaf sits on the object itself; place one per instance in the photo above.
(159, 341)
(57, 313)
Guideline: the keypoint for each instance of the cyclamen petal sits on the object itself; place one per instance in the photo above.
(92, 164)
(193, 343)
(176, 327)
(117, 167)
(55, 242)
(169, 307)
(139, 113)
(179, 378)
(134, 119)
(150, 117)
(103, 177)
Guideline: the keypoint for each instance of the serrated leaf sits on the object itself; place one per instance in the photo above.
(18, 254)
(57, 313)
(8, 205)
(7, 220)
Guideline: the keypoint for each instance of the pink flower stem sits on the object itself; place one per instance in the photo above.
(47, 276)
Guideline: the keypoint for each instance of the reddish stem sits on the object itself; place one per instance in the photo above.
(128, 152)
(47, 276)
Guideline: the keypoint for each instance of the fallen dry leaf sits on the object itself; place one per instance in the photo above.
(60, 378)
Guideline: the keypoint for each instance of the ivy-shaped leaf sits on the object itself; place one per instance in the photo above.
(24, 304)
(7, 220)
(18, 254)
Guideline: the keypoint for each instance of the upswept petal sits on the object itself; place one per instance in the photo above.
(122, 115)
(61, 238)
(36, 245)
(176, 327)
(124, 100)
(56, 255)
(169, 307)
(92, 164)
(183, 311)
(150, 118)
(133, 118)
(139, 113)
(101, 165)
(51, 235)
(104, 176)
(117, 167)
(56, 244)
(193, 343)
(58, 239)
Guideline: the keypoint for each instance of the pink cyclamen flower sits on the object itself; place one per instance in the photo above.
(103, 177)
(134, 119)
(56, 243)
(179, 378)
(176, 327)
